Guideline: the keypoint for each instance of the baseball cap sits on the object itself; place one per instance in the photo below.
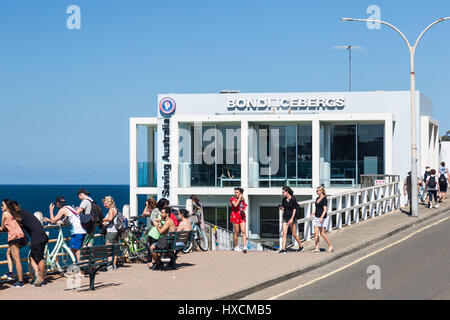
(60, 199)
(83, 190)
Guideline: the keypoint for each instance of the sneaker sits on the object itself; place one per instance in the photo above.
(436, 206)
(282, 251)
(429, 206)
(18, 284)
(9, 276)
(38, 281)
(110, 268)
(301, 249)
(237, 249)
(245, 250)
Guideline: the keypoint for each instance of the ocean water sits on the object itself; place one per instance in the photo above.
(38, 198)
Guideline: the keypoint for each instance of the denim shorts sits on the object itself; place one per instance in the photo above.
(76, 241)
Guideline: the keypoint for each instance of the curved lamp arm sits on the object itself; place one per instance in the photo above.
(382, 22)
(427, 28)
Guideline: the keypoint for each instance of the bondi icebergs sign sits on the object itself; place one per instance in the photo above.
(285, 104)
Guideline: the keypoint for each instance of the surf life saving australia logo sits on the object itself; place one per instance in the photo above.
(167, 106)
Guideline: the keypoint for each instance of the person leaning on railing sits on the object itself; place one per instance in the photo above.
(16, 236)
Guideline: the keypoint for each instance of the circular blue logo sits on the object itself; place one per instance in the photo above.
(167, 105)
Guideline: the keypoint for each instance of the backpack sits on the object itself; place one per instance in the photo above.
(432, 182)
(442, 179)
(119, 223)
(96, 213)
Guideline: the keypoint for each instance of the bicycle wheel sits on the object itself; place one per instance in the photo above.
(202, 241)
(141, 251)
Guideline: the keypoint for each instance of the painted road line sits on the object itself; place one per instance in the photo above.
(358, 260)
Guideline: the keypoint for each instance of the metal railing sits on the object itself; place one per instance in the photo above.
(348, 208)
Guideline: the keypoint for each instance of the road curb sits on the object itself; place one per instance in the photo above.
(268, 283)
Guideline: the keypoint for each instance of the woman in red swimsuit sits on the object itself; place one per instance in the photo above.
(238, 218)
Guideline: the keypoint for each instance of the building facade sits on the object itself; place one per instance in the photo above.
(208, 144)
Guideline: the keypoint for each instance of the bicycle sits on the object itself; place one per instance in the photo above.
(53, 262)
(199, 236)
(135, 241)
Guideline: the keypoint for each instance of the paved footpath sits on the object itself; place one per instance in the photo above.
(223, 274)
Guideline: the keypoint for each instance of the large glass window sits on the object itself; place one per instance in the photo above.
(349, 150)
(146, 156)
(280, 155)
(210, 155)
(218, 216)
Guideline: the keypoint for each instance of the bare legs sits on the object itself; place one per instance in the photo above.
(293, 227)
(236, 227)
(15, 253)
(321, 231)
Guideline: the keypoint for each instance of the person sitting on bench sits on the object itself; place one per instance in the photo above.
(164, 226)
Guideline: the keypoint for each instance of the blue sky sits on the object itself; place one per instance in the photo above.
(66, 95)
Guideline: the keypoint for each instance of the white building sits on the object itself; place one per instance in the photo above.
(207, 144)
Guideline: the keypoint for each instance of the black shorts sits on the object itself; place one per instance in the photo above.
(287, 217)
(37, 251)
(443, 187)
(162, 244)
(21, 242)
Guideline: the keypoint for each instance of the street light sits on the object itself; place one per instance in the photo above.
(412, 51)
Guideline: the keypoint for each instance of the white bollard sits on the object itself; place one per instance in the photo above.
(126, 211)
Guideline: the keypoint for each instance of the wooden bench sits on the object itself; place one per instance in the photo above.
(177, 242)
(92, 259)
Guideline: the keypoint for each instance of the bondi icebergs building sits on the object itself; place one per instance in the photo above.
(208, 144)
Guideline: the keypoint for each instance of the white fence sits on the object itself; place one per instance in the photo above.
(350, 207)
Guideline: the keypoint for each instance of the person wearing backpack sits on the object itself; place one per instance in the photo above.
(290, 209)
(114, 225)
(90, 214)
(432, 184)
(443, 182)
(77, 231)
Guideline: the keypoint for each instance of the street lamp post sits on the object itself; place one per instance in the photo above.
(412, 51)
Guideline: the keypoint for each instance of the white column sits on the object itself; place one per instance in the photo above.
(388, 152)
(424, 144)
(133, 167)
(244, 170)
(174, 160)
(315, 153)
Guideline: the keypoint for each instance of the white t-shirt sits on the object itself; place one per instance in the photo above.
(74, 220)
(86, 205)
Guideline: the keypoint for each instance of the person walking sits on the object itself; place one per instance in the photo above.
(39, 240)
(319, 217)
(77, 231)
(443, 182)
(238, 218)
(16, 236)
(432, 184)
(289, 206)
(110, 221)
(198, 209)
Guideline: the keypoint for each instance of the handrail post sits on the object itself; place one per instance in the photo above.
(280, 225)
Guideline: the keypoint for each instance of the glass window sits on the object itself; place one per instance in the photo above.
(349, 150)
(371, 149)
(282, 155)
(213, 157)
(146, 156)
